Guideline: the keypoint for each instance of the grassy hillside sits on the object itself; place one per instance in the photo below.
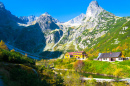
(19, 70)
(117, 69)
(115, 40)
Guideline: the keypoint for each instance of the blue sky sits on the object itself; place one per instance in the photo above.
(64, 10)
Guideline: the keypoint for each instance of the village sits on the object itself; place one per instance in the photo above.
(110, 57)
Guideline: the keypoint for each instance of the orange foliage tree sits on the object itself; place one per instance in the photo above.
(78, 65)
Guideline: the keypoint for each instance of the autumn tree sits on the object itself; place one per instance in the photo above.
(91, 82)
(2, 45)
(71, 79)
(78, 65)
(26, 54)
(12, 50)
(118, 72)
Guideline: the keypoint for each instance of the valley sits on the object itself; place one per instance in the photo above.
(42, 50)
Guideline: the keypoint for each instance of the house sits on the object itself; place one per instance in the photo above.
(79, 55)
(111, 57)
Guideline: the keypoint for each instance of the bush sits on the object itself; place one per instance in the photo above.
(78, 65)
(24, 78)
(15, 57)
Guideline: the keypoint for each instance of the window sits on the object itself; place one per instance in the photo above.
(71, 56)
(104, 58)
(120, 59)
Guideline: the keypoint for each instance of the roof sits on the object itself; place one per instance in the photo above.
(109, 55)
(76, 53)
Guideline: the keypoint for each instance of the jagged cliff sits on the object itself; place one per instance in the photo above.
(30, 34)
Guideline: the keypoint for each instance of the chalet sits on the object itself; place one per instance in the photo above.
(79, 55)
(111, 57)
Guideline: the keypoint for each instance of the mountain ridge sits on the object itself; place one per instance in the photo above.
(97, 24)
(45, 32)
(34, 37)
(75, 21)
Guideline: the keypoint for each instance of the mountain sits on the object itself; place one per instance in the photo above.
(99, 30)
(31, 19)
(93, 10)
(34, 38)
(76, 21)
(28, 19)
(6, 17)
(96, 31)
(8, 24)
(2, 5)
(53, 19)
(47, 22)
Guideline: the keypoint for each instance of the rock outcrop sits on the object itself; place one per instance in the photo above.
(46, 22)
(93, 10)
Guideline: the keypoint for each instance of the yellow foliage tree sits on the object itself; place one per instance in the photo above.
(71, 79)
(119, 84)
(125, 46)
(123, 54)
(117, 47)
(26, 54)
(12, 50)
(2, 45)
(118, 72)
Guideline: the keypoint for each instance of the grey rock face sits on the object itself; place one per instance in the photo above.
(55, 20)
(31, 38)
(58, 35)
(28, 19)
(93, 26)
(92, 15)
(77, 20)
(93, 10)
(46, 13)
(2, 5)
(6, 17)
(45, 21)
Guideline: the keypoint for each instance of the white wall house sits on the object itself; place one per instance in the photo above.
(110, 57)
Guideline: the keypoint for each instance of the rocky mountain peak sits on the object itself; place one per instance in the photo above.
(28, 19)
(46, 14)
(2, 5)
(47, 22)
(93, 10)
(94, 3)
